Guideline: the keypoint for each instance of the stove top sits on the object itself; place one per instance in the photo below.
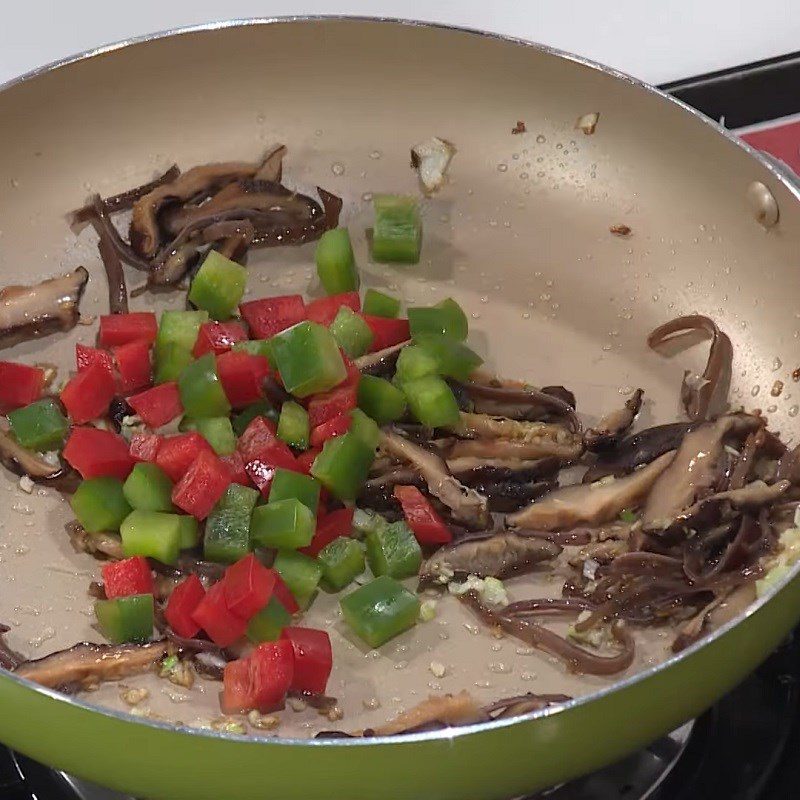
(747, 747)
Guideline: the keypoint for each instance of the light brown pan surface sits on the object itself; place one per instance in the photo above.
(519, 236)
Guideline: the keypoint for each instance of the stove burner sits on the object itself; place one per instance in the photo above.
(742, 749)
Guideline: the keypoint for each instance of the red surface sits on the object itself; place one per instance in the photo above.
(88, 394)
(182, 604)
(218, 337)
(176, 453)
(331, 526)
(116, 329)
(202, 485)
(313, 658)
(133, 364)
(159, 405)
(271, 315)
(325, 309)
(213, 616)
(333, 427)
(386, 332)
(421, 517)
(86, 356)
(96, 453)
(284, 594)
(248, 586)
(126, 577)
(20, 385)
(242, 376)
(145, 446)
(324, 407)
(782, 141)
(235, 464)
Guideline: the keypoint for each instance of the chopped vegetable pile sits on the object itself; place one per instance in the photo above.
(231, 461)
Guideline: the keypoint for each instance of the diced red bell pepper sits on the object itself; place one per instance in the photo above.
(144, 446)
(96, 453)
(313, 659)
(20, 385)
(129, 576)
(202, 485)
(260, 681)
(271, 671)
(333, 427)
(248, 586)
(116, 329)
(325, 309)
(159, 405)
(271, 315)
(306, 459)
(260, 433)
(331, 526)
(235, 464)
(242, 376)
(421, 517)
(262, 472)
(88, 394)
(284, 594)
(218, 337)
(182, 604)
(263, 452)
(216, 619)
(353, 372)
(176, 453)
(324, 407)
(86, 356)
(386, 332)
(133, 364)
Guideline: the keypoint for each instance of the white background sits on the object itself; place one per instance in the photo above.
(657, 40)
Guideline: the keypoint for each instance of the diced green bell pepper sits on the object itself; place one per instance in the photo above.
(308, 359)
(415, 362)
(284, 524)
(378, 304)
(287, 484)
(260, 409)
(227, 536)
(39, 426)
(267, 624)
(454, 359)
(177, 333)
(380, 610)
(126, 619)
(342, 561)
(217, 431)
(446, 318)
(293, 427)
(380, 399)
(343, 465)
(365, 428)
(300, 573)
(351, 332)
(218, 286)
(189, 531)
(148, 488)
(336, 264)
(393, 550)
(397, 234)
(432, 402)
(365, 521)
(100, 504)
(152, 534)
(201, 390)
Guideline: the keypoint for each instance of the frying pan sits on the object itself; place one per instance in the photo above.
(520, 236)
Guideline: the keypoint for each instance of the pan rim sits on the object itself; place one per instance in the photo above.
(476, 728)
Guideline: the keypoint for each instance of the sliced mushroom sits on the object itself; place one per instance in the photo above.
(466, 504)
(25, 462)
(382, 362)
(431, 159)
(692, 631)
(495, 555)
(519, 401)
(88, 664)
(509, 707)
(592, 503)
(117, 289)
(445, 710)
(702, 394)
(611, 427)
(199, 181)
(106, 545)
(9, 659)
(27, 312)
(695, 469)
(641, 448)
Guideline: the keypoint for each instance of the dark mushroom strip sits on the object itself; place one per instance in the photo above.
(471, 470)
(466, 504)
(117, 289)
(789, 466)
(447, 710)
(641, 448)
(523, 704)
(105, 545)
(576, 658)
(744, 465)
(270, 234)
(88, 664)
(28, 312)
(125, 200)
(700, 394)
(518, 401)
(692, 631)
(382, 362)
(9, 659)
(611, 427)
(495, 555)
(548, 605)
(145, 236)
(591, 503)
(21, 461)
(271, 168)
(695, 469)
